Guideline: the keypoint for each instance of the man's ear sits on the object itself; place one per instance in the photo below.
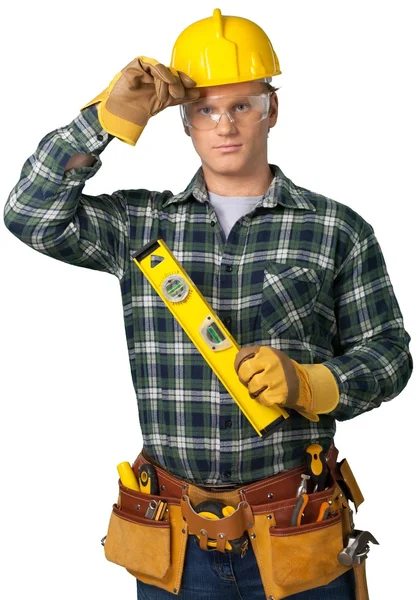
(274, 110)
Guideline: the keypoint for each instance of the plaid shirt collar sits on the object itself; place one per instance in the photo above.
(281, 191)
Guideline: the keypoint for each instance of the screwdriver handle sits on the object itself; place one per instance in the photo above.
(317, 466)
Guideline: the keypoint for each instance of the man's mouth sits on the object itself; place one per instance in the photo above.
(228, 147)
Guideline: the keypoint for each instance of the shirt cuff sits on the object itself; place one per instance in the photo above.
(83, 135)
(88, 131)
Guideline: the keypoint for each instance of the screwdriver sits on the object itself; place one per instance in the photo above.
(317, 466)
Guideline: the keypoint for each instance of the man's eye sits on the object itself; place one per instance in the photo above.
(241, 107)
(205, 111)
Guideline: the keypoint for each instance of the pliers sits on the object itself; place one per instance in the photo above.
(302, 501)
(297, 513)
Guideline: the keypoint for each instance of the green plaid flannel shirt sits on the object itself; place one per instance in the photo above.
(301, 273)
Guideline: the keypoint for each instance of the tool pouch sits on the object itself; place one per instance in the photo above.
(299, 558)
(291, 559)
(152, 551)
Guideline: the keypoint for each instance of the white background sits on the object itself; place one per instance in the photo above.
(347, 128)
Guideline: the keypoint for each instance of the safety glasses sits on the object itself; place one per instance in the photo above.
(206, 113)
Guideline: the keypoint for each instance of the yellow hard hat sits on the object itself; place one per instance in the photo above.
(223, 49)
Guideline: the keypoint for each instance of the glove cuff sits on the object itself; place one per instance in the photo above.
(124, 130)
(324, 387)
(121, 128)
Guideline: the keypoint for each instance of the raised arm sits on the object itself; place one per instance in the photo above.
(47, 209)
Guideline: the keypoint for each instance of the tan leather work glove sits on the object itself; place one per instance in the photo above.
(274, 378)
(141, 90)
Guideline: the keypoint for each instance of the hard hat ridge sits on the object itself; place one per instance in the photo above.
(222, 49)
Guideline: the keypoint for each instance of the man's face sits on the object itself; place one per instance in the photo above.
(248, 141)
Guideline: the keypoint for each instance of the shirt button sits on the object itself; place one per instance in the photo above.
(227, 474)
(212, 223)
(227, 321)
(228, 424)
(229, 268)
(100, 137)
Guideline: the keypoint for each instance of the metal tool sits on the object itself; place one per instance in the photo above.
(317, 466)
(210, 336)
(152, 509)
(303, 487)
(357, 548)
(156, 509)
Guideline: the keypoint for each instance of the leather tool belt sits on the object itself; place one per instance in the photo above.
(291, 559)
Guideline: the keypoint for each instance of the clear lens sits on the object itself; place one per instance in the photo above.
(206, 113)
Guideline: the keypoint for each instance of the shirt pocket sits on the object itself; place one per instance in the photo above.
(288, 299)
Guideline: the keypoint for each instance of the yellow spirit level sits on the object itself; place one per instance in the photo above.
(205, 329)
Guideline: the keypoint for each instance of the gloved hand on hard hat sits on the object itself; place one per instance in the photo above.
(141, 90)
(274, 378)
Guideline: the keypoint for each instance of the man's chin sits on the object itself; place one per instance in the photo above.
(227, 166)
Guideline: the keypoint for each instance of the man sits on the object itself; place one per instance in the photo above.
(299, 280)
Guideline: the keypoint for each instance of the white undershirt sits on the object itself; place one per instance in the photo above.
(231, 208)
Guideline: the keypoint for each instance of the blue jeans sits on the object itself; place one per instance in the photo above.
(211, 575)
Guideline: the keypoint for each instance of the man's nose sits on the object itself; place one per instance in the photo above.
(225, 124)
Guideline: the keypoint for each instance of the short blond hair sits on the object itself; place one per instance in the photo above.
(270, 88)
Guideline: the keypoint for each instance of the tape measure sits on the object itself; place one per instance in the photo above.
(205, 329)
(215, 509)
(148, 479)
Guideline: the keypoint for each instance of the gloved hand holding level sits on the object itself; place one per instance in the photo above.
(274, 378)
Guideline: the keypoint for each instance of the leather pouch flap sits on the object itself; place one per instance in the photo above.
(351, 485)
